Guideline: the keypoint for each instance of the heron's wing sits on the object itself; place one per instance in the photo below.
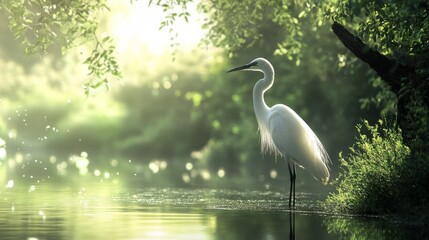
(286, 133)
(294, 138)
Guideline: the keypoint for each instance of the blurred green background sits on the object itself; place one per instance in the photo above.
(172, 122)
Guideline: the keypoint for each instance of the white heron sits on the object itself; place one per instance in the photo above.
(284, 133)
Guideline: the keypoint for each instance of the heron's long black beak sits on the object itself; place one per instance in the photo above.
(247, 66)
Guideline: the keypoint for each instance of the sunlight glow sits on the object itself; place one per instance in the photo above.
(137, 24)
(155, 234)
(2, 153)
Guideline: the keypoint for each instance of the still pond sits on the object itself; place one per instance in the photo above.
(106, 212)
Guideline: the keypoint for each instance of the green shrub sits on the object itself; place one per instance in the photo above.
(371, 176)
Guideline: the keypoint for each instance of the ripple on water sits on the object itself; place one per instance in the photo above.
(233, 200)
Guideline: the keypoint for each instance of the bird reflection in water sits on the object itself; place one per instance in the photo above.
(291, 225)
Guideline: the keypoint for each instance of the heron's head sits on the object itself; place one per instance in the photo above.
(259, 64)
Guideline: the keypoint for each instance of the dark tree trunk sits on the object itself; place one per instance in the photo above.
(402, 79)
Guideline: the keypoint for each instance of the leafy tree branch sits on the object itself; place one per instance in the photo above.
(42, 25)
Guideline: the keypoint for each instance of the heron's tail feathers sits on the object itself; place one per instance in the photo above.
(319, 167)
(319, 171)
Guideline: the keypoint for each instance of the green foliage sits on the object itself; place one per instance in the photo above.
(399, 28)
(101, 64)
(40, 24)
(373, 173)
(416, 170)
(373, 228)
(44, 25)
(238, 25)
(392, 25)
(173, 10)
(384, 98)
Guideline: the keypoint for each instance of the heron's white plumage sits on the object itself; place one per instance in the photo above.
(293, 138)
(284, 133)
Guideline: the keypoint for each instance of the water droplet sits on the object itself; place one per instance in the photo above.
(84, 154)
(42, 214)
(163, 165)
(114, 163)
(62, 168)
(186, 178)
(273, 174)
(10, 184)
(154, 167)
(166, 85)
(205, 174)
(221, 172)
(189, 166)
(12, 134)
(106, 175)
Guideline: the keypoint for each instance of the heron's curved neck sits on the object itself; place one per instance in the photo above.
(258, 94)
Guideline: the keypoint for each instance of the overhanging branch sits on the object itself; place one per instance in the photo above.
(389, 70)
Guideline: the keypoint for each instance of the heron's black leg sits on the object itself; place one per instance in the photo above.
(294, 180)
(291, 174)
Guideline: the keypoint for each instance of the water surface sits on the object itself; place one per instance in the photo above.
(109, 212)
